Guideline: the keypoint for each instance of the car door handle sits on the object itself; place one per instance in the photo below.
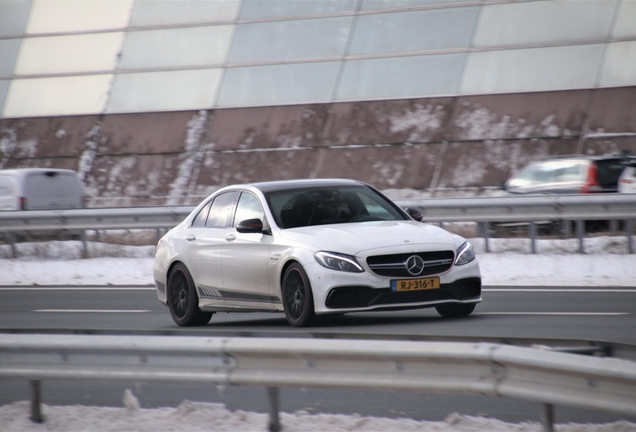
(230, 237)
(191, 237)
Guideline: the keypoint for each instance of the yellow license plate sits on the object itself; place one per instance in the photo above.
(415, 284)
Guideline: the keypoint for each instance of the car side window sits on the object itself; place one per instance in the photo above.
(199, 220)
(249, 207)
(220, 210)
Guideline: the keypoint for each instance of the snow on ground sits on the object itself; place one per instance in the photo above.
(605, 263)
(510, 262)
(199, 416)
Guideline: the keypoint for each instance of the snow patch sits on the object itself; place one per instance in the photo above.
(88, 155)
(420, 121)
(200, 416)
(191, 159)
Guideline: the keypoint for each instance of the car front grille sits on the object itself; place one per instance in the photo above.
(398, 265)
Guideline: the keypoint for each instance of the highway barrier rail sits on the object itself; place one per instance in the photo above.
(483, 210)
(540, 375)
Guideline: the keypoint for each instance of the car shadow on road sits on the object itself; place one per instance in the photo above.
(279, 322)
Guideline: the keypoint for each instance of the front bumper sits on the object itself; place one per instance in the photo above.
(356, 297)
(339, 292)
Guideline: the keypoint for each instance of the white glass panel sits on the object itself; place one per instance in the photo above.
(57, 96)
(286, 40)
(61, 16)
(386, 4)
(278, 8)
(532, 69)
(186, 47)
(278, 84)
(626, 23)
(63, 54)
(4, 88)
(388, 78)
(8, 54)
(170, 12)
(414, 31)
(164, 91)
(13, 17)
(544, 21)
(620, 64)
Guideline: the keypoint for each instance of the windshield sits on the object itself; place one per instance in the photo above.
(329, 205)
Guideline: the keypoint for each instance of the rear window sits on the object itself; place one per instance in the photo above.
(52, 184)
(608, 172)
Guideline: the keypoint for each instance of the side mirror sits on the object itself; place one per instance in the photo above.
(415, 213)
(250, 226)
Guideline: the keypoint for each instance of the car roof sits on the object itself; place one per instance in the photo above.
(23, 172)
(273, 186)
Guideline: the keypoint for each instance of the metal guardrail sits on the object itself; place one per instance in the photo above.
(544, 376)
(527, 208)
(532, 209)
(482, 210)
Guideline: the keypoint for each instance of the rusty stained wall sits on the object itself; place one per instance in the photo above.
(438, 144)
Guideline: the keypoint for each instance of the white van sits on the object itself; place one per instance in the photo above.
(40, 189)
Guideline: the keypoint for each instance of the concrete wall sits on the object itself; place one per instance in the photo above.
(159, 102)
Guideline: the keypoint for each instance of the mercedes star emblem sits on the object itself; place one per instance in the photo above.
(415, 265)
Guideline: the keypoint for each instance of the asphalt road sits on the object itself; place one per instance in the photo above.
(603, 314)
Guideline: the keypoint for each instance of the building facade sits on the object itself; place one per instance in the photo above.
(163, 101)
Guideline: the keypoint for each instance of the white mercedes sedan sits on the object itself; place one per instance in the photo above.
(310, 248)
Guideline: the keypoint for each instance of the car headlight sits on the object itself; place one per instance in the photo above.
(465, 254)
(337, 261)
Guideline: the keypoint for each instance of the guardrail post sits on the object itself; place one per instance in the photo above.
(629, 228)
(36, 412)
(484, 231)
(613, 225)
(547, 418)
(84, 245)
(274, 404)
(580, 227)
(533, 237)
(14, 251)
(567, 229)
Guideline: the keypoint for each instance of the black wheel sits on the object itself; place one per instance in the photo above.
(298, 300)
(183, 300)
(455, 309)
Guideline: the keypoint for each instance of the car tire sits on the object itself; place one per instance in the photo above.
(183, 300)
(454, 310)
(298, 299)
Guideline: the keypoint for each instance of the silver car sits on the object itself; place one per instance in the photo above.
(310, 248)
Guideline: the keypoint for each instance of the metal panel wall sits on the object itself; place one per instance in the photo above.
(164, 91)
(64, 55)
(532, 69)
(159, 13)
(176, 49)
(66, 16)
(531, 23)
(13, 17)
(277, 52)
(259, 9)
(401, 32)
(290, 40)
(69, 95)
(294, 83)
(401, 77)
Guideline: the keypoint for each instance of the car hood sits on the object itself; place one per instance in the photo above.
(364, 237)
